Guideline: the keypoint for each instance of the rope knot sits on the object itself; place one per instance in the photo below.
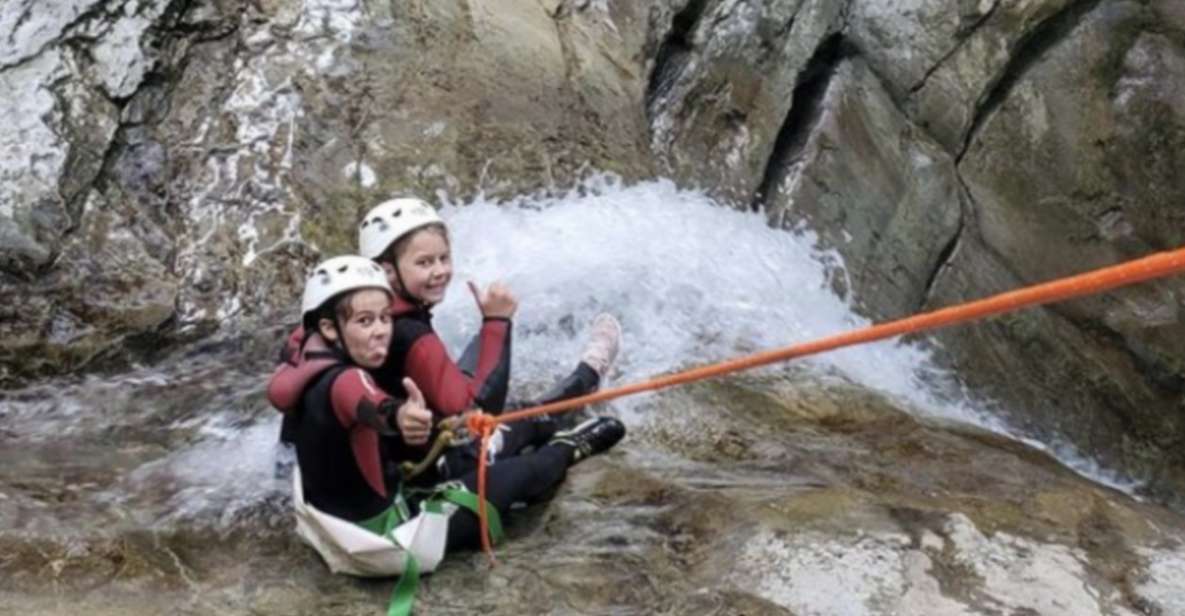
(480, 424)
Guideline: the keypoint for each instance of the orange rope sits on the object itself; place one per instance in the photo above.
(1097, 281)
(481, 501)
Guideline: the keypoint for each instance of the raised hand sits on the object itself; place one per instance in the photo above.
(496, 301)
(413, 417)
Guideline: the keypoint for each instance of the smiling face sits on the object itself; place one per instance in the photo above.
(425, 265)
(365, 319)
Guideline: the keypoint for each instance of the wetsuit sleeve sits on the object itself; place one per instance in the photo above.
(302, 359)
(447, 389)
(283, 388)
(286, 384)
(367, 413)
(493, 364)
(290, 352)
(357, 400)
(468, 361)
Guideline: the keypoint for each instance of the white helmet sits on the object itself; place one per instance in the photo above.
(391, 220)
(338, 275)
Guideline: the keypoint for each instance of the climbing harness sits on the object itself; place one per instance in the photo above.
(451, 431)
(1147, 268)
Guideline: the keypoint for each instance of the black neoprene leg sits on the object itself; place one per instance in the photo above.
(519, 479)
(528, 432)
(583, 380)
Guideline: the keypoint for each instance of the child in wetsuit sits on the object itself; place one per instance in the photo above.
(411, 242)
(347, 430)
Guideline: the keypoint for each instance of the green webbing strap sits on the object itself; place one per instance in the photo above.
(400, 505)
(384, 524)
(404, 595)
(468, 500)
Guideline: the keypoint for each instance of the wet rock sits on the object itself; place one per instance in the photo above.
(1071, 173)
(235, 145)
(948, 60)
(902, 132)
(106, 285)
(164, 499)
(722, 87)
(891, 210)
(61, 66)
(931, 532)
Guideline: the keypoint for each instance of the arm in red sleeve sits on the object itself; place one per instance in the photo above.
(298, 368)
(366, 412)
(358, 401)
(290, 352)
(447, 389)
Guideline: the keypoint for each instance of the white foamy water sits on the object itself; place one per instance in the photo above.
(692, 283)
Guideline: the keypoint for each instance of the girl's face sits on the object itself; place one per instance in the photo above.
(425, 266)
(366, 333)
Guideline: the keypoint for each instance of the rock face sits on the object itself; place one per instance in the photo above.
(723, 81)
(892, 210)
(173, 166)
(170, 167)
(951, 150)
(1071, 170)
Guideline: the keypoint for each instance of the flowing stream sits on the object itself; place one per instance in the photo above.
(864, 481)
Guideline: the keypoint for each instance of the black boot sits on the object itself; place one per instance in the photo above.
(591, 437)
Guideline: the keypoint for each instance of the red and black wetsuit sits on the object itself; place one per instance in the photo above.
(417, 352)
(480, 380)
(342, 455)
(348, 447)
(340, 422)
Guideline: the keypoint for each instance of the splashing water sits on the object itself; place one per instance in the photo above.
(692, 283)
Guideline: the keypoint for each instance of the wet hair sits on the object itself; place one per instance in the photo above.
(338, 309)
(398, 247)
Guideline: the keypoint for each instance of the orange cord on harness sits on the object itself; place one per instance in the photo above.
(483, 426)
(1097, 281)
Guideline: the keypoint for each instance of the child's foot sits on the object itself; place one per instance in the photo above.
(591, 437)
(604, 340)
